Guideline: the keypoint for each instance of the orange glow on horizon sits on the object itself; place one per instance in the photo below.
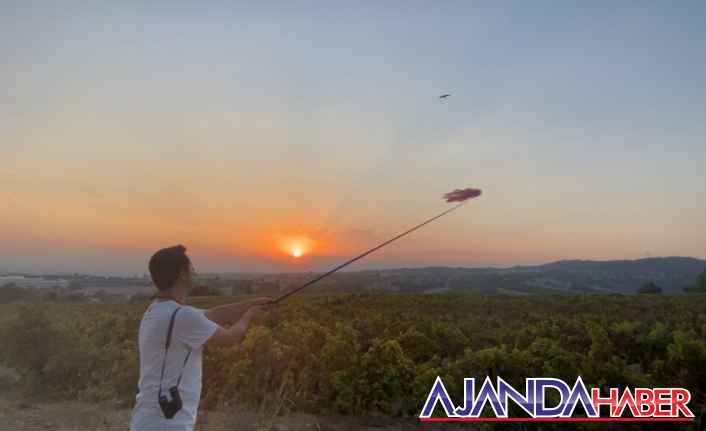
(296, 246)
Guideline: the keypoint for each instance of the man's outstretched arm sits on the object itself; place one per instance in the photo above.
(236, 333)
(229, 313)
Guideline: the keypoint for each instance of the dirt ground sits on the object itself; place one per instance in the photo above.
(25, 415)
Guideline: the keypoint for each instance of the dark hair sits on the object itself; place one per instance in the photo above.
(166, 264)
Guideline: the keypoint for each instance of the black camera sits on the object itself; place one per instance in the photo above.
(170, 407)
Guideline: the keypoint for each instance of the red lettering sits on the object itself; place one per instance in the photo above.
(598, 401)
(645, 399)
(680, 397)
(660, 401)
(628, 400)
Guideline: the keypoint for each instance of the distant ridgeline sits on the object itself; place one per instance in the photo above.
(671, 274)
(652, 275)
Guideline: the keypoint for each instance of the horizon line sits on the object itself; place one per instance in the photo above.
(396, 268)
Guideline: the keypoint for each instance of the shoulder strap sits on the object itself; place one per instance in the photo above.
(166, 349)
(171, 327)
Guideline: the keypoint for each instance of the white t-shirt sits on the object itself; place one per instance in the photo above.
(191, 330)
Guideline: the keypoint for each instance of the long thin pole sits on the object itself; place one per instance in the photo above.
(343, 265)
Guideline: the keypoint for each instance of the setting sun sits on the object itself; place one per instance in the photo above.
(296, 246)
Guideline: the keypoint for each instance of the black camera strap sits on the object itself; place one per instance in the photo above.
(166, 350)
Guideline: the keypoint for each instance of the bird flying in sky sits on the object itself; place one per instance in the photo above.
(444, 96)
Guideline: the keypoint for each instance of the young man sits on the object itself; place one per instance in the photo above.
(192, 328)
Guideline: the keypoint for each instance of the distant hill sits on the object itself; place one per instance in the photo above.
(671, 274)
(566, 276)
(673, 265)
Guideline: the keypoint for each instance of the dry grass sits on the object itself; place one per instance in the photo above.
(27, 415)
(64, 416)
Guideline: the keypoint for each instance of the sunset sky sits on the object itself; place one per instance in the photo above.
(246, 132)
